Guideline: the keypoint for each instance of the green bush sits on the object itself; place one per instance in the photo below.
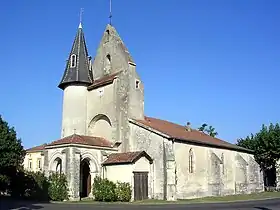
(4, 183)
(58, 187)
(18, 184)
(123, 191)
(104, 190)
(36, 186)
(29, 185)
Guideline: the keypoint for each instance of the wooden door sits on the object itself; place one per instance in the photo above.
(140, 185)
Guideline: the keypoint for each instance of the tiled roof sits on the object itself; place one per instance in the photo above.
(126, 158)
(84, 140)
(179, 132)
(103, 81)
(75, 139)
(37, 148)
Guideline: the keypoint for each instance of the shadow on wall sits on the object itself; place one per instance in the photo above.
(7, 203)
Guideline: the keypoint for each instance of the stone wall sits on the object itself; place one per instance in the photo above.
(101, 113)
(170, 168)
(191, 184)
(121, 100)
(215, 175)
(74, 110)
(145, 140)
(227, 172)
(71, 159)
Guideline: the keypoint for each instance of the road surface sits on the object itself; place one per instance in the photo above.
(271, 204)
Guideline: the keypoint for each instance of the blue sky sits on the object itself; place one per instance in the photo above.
(201, 61)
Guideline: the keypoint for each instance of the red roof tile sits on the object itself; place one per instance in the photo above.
(103, 81)
(75, 139)
(84, 140)
(37, 148)
(126, 158)
(179, 132)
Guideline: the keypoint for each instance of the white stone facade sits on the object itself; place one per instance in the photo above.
(110, 108)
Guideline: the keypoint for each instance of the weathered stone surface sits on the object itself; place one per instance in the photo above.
(141, 139)
(178, 171)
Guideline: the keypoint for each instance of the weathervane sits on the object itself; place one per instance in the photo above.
(110, 16)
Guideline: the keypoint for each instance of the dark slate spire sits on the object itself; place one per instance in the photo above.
(78, 68)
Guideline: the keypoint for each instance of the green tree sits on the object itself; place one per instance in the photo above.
(11, 153)
(211, 131)
(265, 144)
(248, 142)
(202, 127)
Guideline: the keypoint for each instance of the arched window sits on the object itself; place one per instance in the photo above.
(107, 66)
(109, 58)
(73, 61)
(107, 36)
(58, 168)
(191, 161)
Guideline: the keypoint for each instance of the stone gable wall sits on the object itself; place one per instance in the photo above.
(144, 140)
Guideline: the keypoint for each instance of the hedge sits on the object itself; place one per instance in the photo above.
(107, 191)
(36, 186)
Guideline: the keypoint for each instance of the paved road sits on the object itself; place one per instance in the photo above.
(272, 204)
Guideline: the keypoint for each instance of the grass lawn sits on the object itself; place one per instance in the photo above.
(229, 198)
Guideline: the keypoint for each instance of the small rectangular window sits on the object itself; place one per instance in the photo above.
(30, 164)
(137, 84)
(73, 61)
(39, 163)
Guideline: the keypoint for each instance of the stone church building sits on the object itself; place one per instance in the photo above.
(106, 133)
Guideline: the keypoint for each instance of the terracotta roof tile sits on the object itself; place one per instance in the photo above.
(75, 139)
(37, 148)
(84, 140)
(126, 158)
(103, 81)
(179, 132)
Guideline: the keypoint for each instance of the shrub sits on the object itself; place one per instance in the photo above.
(36, 186)
(4, 183)
(29, 185)
(58, 187)
(123, 191)
(18, 184)
(104, 190)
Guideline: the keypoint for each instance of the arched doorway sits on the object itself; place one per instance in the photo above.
(85, 183)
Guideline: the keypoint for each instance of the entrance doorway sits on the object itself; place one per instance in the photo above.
(140, 185)
(85, 179)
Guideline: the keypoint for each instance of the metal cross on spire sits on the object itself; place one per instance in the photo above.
(81, 17)
(110, 16)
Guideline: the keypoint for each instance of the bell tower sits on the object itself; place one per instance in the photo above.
(76, 78)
